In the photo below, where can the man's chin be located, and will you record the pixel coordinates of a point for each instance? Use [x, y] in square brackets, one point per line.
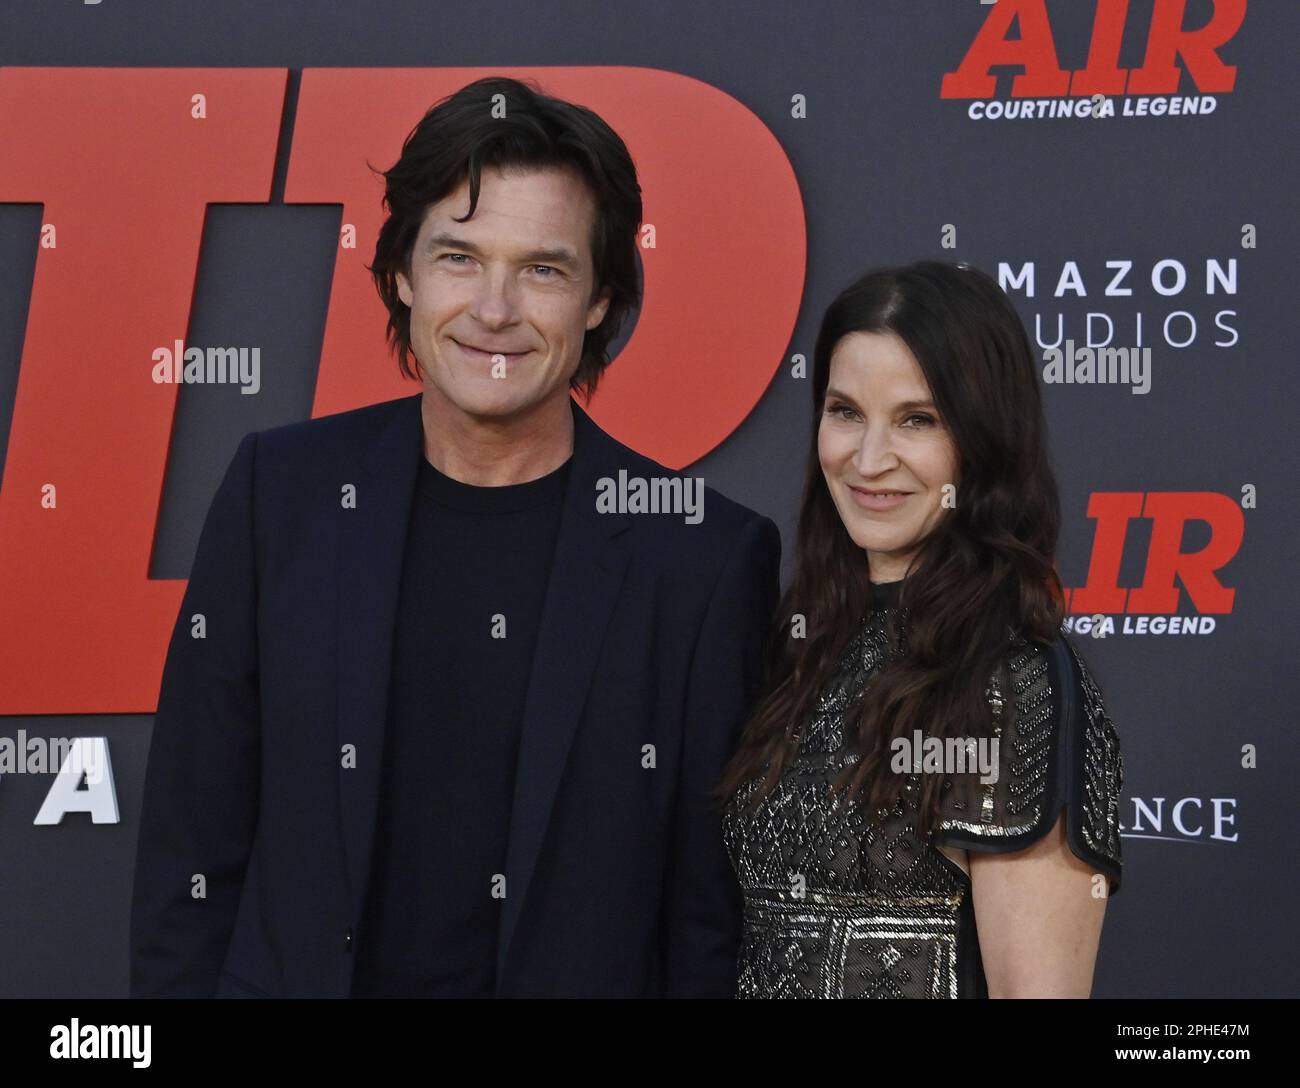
[492, 406]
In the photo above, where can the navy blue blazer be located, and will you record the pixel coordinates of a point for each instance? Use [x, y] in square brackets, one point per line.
[257, 827]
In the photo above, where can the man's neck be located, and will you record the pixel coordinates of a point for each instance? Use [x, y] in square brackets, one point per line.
[489, 452]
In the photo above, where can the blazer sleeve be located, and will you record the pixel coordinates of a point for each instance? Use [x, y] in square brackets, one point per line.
[1059, 750]
[199, 810]
[703, 903]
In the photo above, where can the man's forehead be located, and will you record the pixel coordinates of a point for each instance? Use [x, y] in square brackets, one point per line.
[551, 197]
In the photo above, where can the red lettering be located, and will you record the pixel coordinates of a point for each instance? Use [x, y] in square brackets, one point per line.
[1112, 510]
[125, 172]
[1034, 51]
[1169, 512]
[1103, 75]
[1198, 48]
[1042, 77]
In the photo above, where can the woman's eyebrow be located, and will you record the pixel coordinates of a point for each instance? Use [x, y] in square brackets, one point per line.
[905, 406]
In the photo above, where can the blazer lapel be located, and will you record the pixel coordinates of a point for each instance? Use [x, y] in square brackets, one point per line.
[586, 574]
[371, 544]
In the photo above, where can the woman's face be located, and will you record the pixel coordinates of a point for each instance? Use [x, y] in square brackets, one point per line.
[886, 455]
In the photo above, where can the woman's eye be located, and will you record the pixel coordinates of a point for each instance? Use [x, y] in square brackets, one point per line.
[925, 420]
[841, 410]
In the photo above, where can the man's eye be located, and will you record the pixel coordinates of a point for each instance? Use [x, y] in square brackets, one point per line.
[453, 257]
[546, 268]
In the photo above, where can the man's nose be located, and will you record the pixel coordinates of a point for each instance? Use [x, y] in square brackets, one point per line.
[495, 301]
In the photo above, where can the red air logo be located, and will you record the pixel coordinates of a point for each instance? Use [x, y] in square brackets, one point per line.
[1172, 49]
[1167, 564]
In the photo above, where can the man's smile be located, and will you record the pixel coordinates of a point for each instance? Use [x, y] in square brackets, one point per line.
[488, 355]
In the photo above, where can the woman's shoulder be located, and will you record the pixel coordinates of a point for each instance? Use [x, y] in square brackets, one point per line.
[1057, 748]
[1094, 762]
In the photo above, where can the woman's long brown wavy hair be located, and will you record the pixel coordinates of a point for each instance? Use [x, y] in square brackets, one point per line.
[986, 568]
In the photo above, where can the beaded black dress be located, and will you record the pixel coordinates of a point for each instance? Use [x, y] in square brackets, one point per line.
[839, 902]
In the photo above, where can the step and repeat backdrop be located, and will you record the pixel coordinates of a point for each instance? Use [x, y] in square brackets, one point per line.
[177, 177]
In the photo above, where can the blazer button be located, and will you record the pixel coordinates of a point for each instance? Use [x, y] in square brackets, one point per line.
[347, 941]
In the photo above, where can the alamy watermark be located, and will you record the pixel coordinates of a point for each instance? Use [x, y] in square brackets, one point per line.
[116, 1042]
[1070, 365]
[39, 755]
[945, 755]
[211, 366]
[656, 495]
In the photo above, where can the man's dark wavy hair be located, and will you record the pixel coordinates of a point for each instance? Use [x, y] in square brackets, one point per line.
[457, 138]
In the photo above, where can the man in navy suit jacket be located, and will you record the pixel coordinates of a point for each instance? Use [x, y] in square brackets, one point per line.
[442, 712]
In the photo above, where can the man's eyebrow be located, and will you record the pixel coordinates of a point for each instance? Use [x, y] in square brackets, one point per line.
[560, 255]
[443, 240]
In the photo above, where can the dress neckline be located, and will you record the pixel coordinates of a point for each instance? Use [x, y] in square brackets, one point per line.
[886, 594]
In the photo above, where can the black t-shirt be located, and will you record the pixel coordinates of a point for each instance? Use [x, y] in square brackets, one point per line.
[474, 579]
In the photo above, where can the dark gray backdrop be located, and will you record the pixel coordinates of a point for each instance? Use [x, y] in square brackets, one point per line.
[882, 164]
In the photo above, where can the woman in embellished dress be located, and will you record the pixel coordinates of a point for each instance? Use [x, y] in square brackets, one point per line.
[926, 800]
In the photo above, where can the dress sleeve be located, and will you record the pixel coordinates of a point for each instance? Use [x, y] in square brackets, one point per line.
[1043, 766]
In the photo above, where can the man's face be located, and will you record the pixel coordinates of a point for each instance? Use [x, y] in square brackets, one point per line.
[884, 450]
[500, 303]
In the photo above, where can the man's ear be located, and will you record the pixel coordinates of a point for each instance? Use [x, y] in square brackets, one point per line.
[404, 291]
[596, 311]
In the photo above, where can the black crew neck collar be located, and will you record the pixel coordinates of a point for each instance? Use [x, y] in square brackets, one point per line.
[507, 498]
[886, 594]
